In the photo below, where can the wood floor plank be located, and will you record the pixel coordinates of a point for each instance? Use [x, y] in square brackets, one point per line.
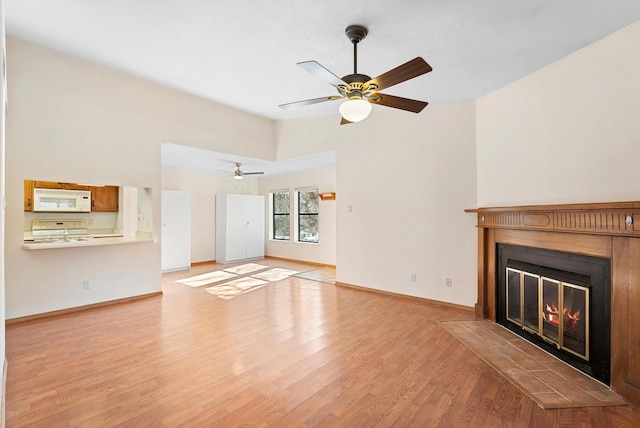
[295, 353]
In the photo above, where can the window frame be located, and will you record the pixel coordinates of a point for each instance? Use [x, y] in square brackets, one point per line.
[299, 213]
[275, 214]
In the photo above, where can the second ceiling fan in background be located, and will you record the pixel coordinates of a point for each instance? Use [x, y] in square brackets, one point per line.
[238, 174]
[361, 90]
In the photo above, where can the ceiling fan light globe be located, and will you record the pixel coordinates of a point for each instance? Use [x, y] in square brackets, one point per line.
[355, 110]
[238, 175]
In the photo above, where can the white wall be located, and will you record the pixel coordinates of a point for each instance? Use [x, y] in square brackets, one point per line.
[203, 189]
[324, 252]
[74, 121]
[408, 179]
[2, 208]
[568, 133]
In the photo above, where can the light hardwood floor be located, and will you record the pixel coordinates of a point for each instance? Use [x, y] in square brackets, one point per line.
[296, 353]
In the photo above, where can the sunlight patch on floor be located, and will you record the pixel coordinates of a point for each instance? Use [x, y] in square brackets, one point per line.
[234, 288]
[206, 278]
[245, 268]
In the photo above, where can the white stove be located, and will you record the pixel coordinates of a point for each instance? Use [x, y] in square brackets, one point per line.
[60, 231]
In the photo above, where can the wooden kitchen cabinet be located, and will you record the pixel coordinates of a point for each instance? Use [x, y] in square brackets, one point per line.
[104, 198]
[74, 186]
[47, 184]
[59, 185]
[28, 195]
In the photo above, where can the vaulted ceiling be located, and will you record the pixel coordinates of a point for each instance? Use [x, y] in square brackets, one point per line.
[243, 53]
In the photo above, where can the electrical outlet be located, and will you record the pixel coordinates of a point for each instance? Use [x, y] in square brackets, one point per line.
[448, 282]
[413, 277]
[86, 284]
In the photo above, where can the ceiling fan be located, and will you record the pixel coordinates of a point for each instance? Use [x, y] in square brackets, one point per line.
[238, 174]
[361, 90]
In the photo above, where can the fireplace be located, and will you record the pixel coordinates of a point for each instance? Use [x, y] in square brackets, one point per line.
[607, 231]
[559, 301]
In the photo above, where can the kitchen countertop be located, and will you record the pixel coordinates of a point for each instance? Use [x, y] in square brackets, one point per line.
[97, 241]
[96, 233]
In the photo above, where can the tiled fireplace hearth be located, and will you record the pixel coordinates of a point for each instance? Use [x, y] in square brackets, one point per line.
[605, 232]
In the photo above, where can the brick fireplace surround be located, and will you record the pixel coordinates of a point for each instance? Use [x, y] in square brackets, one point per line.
[607, 230]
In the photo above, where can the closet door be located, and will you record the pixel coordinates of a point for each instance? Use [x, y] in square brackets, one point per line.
[175, 245]
[254, 218]
[236, 228]
[239, 227]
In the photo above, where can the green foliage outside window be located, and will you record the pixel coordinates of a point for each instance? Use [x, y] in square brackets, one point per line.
[308, 201]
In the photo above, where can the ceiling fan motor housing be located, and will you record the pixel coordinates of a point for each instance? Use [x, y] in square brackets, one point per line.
[357, 87]
[356, 78]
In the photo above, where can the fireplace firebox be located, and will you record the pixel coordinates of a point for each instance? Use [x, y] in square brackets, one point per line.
[559, 301]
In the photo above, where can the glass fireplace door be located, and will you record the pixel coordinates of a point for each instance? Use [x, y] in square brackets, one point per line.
[556, 311]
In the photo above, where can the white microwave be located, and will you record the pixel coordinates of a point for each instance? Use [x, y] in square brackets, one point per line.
[58, 200]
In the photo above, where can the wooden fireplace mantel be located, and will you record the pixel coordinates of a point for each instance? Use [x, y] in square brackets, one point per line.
[607, 230]
[612, 219]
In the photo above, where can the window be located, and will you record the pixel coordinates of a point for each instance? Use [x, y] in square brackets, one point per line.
[280, 218]
[308, 215]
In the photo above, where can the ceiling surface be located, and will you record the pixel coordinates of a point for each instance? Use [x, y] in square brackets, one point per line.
[243, 53]
[179, 157]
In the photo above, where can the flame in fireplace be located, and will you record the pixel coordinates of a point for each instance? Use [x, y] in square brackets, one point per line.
[573, 317]
[552, 314]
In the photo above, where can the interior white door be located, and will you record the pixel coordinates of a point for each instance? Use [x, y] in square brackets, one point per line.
[175, 245]
[254, 210]
[236, 228]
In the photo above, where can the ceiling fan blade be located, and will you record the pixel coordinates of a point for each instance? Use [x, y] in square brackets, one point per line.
[303, 103]
[407, 104]
[252, 173]
[406, 71]
[320, 72]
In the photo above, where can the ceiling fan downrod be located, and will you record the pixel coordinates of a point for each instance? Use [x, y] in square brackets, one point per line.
[356, 33]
